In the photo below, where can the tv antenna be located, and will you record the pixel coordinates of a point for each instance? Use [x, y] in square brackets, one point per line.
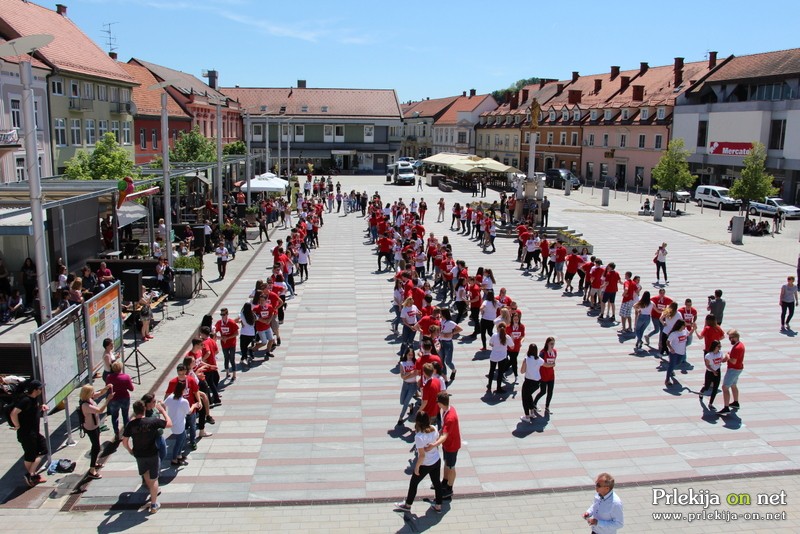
[111, 40]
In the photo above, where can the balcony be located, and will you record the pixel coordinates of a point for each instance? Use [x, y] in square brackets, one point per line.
[81, 104]
[120, 108]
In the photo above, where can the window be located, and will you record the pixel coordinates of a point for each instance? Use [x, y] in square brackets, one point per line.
[74, 89]
[16, 113]
[638, 175]
[115, 130]
[576, 115]
[527, 138]
[507, 144]
[777, 134]
[623, 140]
[607, 115]
[702, 133]
[462, 137]
[114, 94]
[124, 95]
[60, 132]
[284, 132]
[605, 140]
[90, 132]
[304, 109]
[19, 167]
[589, 170]
[299, 132]
[516, 141]
[514, 162]
[327, 133]
[563, 138]
[657, 143]
[323, 109]
[496, 140]
[480, 140]
[642, 140]
[126, 133]
[603, 169]
[644, 114]
[88, 91]
[552, 116]
[36, 114]
[661, 113]
[142, 138]
[549, 138]
[102, 128]
[565, 115]
[590, 141]
[369, 133]
[75, 132]
[625, 114]
[574, 138]
[593, 115]
[338, 133]
[102, 93]
[57, 86]
[154, 139]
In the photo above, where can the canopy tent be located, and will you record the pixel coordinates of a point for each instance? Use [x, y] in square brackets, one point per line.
[469, 163]
[130, 212]
[266, 183]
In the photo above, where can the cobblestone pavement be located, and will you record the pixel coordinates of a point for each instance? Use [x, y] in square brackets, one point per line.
[316, 423]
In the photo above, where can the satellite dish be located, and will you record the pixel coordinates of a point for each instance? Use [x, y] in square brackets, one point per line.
[132, 108]
[25, 45]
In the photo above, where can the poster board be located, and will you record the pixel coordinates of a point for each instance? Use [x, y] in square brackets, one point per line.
[61, 354]
[103, 314]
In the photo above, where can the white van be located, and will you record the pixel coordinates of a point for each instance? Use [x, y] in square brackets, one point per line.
[401, 173]
[714, 195]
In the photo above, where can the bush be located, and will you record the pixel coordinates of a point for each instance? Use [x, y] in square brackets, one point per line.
[188, 262]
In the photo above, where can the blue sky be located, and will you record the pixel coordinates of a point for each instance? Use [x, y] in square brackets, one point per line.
[427, 48]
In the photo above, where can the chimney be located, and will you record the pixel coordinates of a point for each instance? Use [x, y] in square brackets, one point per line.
[712, 60]
[598, 84]
[638, 93]
[574, 96]
[541, 83]
[559, 88]
[212, 79]
[472, 92]
[301, 84]
[575, 76]
[463, 93]
[643, 66]
[514, 102]
[614, 71]
[624, 81]
[678, 71]
[61, 9]
[112, 55]
[524, 95]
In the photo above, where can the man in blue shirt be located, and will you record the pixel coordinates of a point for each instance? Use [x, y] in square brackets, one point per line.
[605, 514]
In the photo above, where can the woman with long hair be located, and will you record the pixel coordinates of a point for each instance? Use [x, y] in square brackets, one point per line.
[428, 463]
[303, 260]
[643, 309]
[449, 329]
[90, 415]
[517, 332]
[669, 317]
[247, 333]
[488, 310]
[409, 315]
[531, 367]
[408, 374]
[676, 344]
[462, 297]
[711, 332]
[548, 373]
[713, 361]
[498, 357]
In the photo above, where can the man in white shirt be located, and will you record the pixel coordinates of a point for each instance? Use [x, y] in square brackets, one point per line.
[605, 514]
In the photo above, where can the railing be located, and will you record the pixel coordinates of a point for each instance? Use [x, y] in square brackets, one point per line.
[81, 104]
[119, 107]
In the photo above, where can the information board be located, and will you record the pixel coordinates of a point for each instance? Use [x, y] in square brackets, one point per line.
[103, 320]
[62, 354]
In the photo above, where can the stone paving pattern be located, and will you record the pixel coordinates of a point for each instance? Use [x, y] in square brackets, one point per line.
[316, 423]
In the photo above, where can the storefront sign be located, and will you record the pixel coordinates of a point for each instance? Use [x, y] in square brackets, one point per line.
[723, 148]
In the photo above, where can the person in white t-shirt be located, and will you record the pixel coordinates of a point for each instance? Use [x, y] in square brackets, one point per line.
[676, 343]
[177, 409]
[713, 361]
[531, 370]
[498, 357]
[428, 464]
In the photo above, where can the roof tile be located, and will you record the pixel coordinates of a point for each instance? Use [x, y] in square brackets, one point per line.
[148, 102]
[372, 103]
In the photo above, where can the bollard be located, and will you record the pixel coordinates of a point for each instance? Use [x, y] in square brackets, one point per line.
[627, 195]
[606, 195]
[719, 210]
[658, 209]
[737, 230]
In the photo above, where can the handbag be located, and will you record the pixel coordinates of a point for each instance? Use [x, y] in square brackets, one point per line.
[655, 258]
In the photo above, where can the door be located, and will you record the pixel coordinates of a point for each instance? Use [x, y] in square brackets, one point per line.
[621, 172]
[380, 162]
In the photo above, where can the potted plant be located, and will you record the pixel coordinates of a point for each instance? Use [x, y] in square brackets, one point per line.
[187, 275]
[250, 213]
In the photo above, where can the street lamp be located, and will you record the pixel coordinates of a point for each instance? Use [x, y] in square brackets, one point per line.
[220, 213]
[18, 47]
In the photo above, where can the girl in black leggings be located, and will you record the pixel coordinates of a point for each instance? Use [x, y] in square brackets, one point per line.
[547, 372]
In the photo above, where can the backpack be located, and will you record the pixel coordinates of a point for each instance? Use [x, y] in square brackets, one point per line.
[82, 418]
[16, 395]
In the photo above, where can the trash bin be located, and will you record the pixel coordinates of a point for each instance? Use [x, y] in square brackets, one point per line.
[184, 283]
[658, 209]
[388, 178]
[606, 196]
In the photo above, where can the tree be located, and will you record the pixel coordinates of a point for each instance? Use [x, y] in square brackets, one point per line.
[192, 146]
[502, 95]
[108, 161]
[672, 172]
[755, 183]
[237, 147]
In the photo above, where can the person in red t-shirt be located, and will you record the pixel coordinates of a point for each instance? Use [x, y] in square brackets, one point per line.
[586, 269]
[610, 287]
[228, 332]
[385, 246]
[596, 284]
[630, 290]
[735, 360]
[689, 314]
[430, 392]
[573, 261]
[264, 312]
[561, 257]
[711, 332]
[210, 350]
[449, 439]
[660, 304]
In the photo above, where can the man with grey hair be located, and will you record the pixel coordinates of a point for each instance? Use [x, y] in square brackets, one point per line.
[605, 514]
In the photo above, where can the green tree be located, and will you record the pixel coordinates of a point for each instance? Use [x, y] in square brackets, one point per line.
[502, 95]
[192, 146]
[108, 161]
[672, 172]
[755, 183]
[237, 147]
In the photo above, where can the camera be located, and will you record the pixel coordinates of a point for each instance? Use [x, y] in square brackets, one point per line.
[711, 297]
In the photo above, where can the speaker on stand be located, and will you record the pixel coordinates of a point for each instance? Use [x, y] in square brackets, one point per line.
[131, 285]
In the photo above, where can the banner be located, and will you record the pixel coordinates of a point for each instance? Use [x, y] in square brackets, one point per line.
[103, 319]
[724, 148]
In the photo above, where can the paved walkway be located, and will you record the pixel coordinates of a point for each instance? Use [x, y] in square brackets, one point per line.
[316, 423]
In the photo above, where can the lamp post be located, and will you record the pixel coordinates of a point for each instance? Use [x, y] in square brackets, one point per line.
[266, 137]
[219, 165]
[19, 47]
[247, 153]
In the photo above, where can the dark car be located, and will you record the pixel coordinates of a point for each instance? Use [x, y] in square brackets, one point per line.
[557, 177]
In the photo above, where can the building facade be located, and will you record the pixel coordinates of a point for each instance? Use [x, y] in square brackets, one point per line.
[418, 120]
[354, 130]
[754, 98]
[454, 131]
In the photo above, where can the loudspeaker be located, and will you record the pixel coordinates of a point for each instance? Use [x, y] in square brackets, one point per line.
[131, 285]
[199, 232]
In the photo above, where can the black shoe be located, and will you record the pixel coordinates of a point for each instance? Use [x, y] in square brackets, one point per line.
[734, 405]
[453, 375]
[725, 410]
[399, 422]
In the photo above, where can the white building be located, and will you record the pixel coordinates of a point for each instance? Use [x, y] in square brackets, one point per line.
[454, 131]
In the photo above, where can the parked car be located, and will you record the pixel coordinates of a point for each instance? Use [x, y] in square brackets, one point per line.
[772, 205]
[677, 196]
[714, 195]
[557, 177]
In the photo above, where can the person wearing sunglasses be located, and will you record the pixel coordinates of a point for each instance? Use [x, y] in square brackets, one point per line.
[605, 515]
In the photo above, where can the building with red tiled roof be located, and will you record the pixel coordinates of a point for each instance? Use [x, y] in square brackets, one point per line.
[747, 99]
[89, 92]
[12, 151]
[454, 131]
[345, 129]
[418, 119]
[147, 121]
[199, 100]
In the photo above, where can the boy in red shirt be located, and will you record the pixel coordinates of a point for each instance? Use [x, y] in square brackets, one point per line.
[228, 332]
[430, 392]
[573, 262]
[610, 287]
[630, 288]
